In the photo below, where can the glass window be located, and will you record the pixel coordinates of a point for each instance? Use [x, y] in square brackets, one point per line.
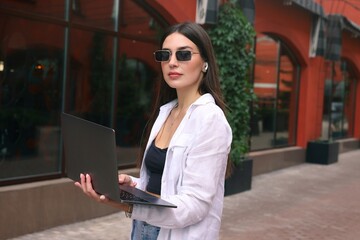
[94, 13]
[137, 78]
[89, 87]
[51, 8]
[339, 101]
[31, 72]
[135, 94]
[275, 85]
[109, 79]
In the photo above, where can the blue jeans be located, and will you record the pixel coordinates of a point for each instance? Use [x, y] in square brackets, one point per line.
[144, 231]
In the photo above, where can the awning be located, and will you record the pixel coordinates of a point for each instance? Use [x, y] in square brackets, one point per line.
[309, 5]
[351, 26]
[326, 35]
[333, 37]
[335, 25]
[318, 35]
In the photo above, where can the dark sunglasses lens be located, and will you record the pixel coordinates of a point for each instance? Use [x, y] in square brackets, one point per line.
[183, 55]
[162, 56]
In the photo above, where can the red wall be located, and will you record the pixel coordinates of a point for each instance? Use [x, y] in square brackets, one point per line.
[351, 46]
[351, 51]
[175, 11]
[348, 8]
[292, 24]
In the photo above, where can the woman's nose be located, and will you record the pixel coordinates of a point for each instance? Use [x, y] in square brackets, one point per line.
[173, 60]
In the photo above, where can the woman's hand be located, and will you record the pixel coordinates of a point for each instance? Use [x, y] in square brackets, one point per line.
[125, 179]
[86, 186]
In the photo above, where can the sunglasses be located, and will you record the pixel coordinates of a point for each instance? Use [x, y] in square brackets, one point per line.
[181, 55]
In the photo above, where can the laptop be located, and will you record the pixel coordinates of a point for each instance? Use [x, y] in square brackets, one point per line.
[91, 148]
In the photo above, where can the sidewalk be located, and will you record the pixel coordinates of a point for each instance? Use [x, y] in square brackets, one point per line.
[304, 202]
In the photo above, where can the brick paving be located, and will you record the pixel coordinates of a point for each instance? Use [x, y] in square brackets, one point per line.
[305, 202]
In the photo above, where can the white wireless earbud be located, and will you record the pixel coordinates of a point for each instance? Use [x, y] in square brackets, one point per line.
[206, 66]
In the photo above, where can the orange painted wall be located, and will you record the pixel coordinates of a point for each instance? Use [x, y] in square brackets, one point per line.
[351, 46]
[175, 11]
[348, 8]
[292, 25]
[351, 51]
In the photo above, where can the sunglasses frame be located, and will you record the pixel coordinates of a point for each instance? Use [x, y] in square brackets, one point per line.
[176, 55]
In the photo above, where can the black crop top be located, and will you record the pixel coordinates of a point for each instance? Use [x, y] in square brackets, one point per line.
[154, 162]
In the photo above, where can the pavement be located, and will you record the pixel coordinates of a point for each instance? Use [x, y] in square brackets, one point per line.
[304, 202]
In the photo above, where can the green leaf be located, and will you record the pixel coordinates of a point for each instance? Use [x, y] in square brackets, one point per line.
[233, 41]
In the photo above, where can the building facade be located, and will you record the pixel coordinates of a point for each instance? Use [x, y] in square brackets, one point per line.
[94, 59]
[306, 78]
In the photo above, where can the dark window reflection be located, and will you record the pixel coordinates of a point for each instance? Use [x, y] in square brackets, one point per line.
[339, 101]
[55, 8]
[135, 95]
[275, 84]
[108, 77]
[90, 83]
[31, 71]
[137, 78]
[101, 14]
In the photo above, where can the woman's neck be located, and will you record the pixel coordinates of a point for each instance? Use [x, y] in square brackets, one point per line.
[185, 99]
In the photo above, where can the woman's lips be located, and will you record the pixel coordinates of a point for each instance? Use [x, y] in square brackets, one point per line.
[174, 75]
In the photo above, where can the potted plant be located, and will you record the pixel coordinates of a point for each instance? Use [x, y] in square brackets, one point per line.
[233, 40]
[322, 152]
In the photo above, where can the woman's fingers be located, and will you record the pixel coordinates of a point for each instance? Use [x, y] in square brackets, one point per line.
[86, 186]
[77, 184]
[126, 179]
[89, 188]
[81, 183]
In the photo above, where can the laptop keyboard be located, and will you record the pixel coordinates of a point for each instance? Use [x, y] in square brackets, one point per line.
[128, 196]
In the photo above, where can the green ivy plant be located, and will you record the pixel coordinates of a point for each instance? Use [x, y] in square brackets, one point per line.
[233, 40]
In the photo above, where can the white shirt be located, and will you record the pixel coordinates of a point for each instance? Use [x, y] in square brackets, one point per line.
[194, 173]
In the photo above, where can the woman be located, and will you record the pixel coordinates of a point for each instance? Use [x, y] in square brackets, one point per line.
[188, 142]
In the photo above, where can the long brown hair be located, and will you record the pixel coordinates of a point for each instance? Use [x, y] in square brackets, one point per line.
[209, 84]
